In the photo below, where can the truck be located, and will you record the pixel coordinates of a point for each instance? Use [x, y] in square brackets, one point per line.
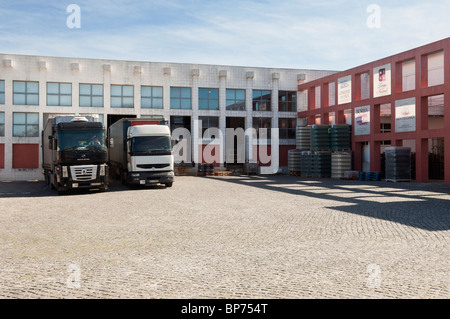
[74, 154]
[140, 151]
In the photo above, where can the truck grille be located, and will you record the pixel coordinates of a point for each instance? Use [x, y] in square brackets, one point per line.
[83, 173]
[150, 166]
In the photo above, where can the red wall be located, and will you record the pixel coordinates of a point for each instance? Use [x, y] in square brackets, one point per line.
[25, 155]
[422, 91]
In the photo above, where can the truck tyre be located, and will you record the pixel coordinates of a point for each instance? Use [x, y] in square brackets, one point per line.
[168, 184]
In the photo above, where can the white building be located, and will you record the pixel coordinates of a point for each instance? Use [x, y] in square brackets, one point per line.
[34, 87]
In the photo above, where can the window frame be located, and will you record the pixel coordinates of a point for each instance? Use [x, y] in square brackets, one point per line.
[59, 94]
[26, 94]
[259, 101]
[121, 96]
[289, 132]
[2, 92]
[91, 95]
[234, 105]
[288, 105]
[26, 125]
[179, 97]
[260, 125]
[152, 98]
[209, 100]
[2, 124]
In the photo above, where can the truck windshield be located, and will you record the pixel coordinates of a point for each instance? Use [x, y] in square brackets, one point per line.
[81, 140]
[157, 145]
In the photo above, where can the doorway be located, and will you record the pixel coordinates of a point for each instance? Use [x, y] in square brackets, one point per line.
[235, 155]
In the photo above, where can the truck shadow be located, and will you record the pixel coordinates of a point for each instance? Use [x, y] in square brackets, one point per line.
[424, 206]
[11, 189]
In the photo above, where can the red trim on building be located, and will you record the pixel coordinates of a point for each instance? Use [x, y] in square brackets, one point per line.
[2, 156]
[25, 155]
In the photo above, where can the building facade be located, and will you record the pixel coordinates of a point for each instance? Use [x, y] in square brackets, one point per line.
[33, 88]
[402, 100]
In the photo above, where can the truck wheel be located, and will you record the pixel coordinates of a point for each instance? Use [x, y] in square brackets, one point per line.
[168, 184]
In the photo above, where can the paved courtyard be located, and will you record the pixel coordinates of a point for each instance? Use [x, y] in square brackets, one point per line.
[227, 237]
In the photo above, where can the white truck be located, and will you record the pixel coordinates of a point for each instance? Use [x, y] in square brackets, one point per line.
[140, 152]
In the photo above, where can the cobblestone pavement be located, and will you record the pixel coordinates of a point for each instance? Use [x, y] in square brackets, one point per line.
[227, 237]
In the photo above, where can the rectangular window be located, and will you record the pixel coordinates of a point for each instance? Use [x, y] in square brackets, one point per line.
[287, 128]
[2, 124]
[287, 101]
[59, 94]
[208, 122]
[180, 98]
[25, 93]
[262, 100]
[152, 97]
[235, 100]
[260, 123]
[208, 99]
[436, 69]
[122, 96]
[409, 75]
[2, 92]
[26, 124]
[91, 95]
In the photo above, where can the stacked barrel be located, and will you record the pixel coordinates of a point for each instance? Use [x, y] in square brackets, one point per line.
[328, 153]
[303, 141]
[398, 164]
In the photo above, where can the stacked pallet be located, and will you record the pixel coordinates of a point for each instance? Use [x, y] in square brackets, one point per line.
[340, 138]
[320, 138]
[398, 164]
[294, 162]
[341, 162]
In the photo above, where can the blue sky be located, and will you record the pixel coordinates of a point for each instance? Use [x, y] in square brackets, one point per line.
[329, 35]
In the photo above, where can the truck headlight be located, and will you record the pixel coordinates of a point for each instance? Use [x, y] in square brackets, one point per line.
[102, 170]
[65, 172]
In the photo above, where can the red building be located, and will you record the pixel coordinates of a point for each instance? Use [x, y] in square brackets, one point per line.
[402, 100]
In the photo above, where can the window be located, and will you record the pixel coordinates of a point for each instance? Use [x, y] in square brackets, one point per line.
[2, 92]
[209, 122]
[287, 128]
[262, 100]
[2, 124]
[287, 101]
[59, 94]
[152, 97]
[235, 100]
[180, 98]
[25, 93]
[91, 95]
[26, 124]
[122, 96]
[260, 123]
[208, 99]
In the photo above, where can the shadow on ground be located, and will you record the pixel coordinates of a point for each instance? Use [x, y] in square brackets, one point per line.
[419, 205]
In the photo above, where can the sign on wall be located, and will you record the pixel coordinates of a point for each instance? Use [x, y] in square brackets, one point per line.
[405, 115]
[362, 120]
[382, 81]
[345, 90]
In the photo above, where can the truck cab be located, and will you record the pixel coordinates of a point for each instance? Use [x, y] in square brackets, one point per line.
[141, 153]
